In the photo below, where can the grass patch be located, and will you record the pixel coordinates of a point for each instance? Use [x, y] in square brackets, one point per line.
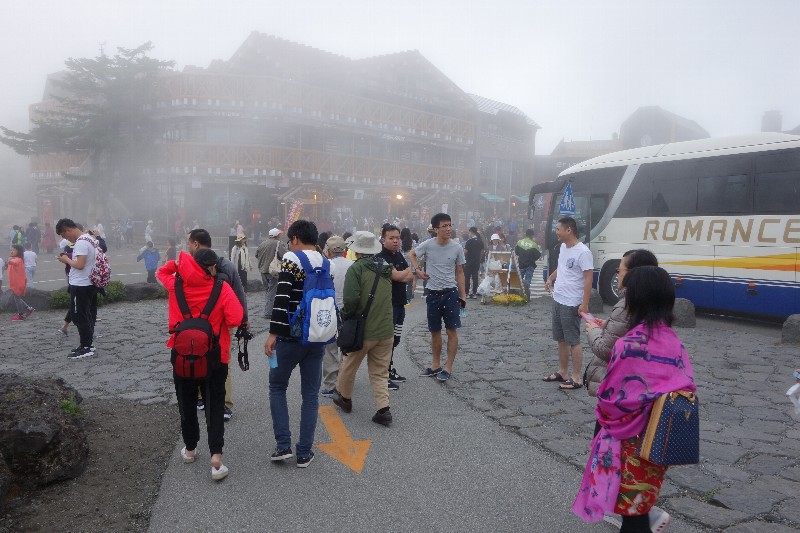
[70, 406]
[11, 396]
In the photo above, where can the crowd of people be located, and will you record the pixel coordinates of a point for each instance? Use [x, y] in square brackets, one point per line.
[636, 355]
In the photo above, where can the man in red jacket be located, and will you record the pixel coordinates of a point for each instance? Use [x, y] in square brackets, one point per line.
[198, 275]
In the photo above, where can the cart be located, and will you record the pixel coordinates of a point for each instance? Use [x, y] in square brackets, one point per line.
[504, 265]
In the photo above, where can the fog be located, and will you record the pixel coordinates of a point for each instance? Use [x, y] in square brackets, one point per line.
[578, 68]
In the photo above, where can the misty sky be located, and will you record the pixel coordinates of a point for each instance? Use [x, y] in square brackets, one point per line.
[578, 68]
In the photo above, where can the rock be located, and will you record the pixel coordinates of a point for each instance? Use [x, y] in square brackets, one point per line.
[791, 330]
[684, 313]
[144, 291]
[595, 302]
[34, 297]
[254, 285]
[42, 438]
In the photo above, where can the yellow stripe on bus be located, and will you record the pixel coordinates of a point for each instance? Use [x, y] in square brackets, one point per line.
[783, 262]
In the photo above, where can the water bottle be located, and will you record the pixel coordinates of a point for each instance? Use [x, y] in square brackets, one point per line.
[273, 361]
[463, 312]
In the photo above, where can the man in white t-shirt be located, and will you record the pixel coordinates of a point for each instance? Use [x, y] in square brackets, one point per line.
[83, 294]
[31, 260]
[571, 286]
[331, 360]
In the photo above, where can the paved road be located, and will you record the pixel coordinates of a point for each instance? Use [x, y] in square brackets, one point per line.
[494, 448]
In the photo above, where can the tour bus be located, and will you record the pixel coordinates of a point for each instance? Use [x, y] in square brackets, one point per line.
[722, 216]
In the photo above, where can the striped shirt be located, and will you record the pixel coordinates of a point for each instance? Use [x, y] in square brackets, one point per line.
[290, 290]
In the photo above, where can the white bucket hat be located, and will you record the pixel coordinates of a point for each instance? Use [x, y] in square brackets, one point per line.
[364, 242]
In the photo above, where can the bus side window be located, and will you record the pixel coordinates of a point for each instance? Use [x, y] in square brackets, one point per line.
[723, 194]
[777, 192]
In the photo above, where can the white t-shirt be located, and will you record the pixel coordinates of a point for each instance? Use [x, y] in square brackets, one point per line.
[572, 263]
[30, 258]
[340, 264]
[314, 257]
[80, 278]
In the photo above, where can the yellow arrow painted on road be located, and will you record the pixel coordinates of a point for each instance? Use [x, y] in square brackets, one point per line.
[349, 452]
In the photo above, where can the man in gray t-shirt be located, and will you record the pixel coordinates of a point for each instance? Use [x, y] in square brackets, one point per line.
[444, 260]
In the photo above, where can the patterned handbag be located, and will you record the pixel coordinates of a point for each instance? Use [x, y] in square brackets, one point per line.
[673, 432]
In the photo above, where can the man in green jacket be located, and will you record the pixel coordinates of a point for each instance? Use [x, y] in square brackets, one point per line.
[378, 327]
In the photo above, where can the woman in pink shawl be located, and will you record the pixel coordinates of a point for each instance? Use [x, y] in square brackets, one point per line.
[647, 362]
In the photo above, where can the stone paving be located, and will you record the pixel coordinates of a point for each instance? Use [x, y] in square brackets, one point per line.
[749, 475]
[139, 371]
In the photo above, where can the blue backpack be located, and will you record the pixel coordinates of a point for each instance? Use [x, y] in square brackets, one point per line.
[315, 321]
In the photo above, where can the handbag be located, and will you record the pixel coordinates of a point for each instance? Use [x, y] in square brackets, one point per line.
[672, 436]
[351, 337]
[275, 265]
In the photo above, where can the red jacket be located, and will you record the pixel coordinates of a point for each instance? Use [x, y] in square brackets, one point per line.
[197, 287]
[17, 280]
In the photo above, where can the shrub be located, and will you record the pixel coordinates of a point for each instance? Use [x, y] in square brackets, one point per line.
[59, 300]
[115, 292]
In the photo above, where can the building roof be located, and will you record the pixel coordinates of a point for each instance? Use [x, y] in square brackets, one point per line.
[586, 149]
[648, 112]
[493, 107]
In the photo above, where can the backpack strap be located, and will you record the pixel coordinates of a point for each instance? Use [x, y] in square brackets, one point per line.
[304, 262]
[180, 297]
[378, 267]
[212, 300]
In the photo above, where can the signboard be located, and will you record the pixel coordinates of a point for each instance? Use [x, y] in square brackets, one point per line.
[358, 194]
[444, 208]
[294, 214]
[567, 206]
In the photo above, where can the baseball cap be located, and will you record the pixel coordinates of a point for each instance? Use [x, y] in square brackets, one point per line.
[274, 232]
[335, 244]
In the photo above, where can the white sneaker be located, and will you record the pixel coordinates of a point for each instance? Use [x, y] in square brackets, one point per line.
[659, 519]
[187, 459]
[219, 473]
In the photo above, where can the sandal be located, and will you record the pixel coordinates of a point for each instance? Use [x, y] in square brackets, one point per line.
[570, 385]
[555, 376]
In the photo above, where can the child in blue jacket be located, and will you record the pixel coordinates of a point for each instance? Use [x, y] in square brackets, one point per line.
[151, 258]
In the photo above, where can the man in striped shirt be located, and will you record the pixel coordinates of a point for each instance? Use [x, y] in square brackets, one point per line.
[290, 352]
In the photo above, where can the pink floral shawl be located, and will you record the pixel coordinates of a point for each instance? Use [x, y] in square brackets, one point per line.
[644, 365]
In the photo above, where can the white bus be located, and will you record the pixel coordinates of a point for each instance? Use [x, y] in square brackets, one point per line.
[722, 216]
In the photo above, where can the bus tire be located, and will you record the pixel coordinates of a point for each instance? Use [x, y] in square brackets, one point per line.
[606, 285]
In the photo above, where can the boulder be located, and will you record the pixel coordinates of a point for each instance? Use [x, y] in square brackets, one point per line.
[42, 436]
[684, 313]
[34, 297]
[144, 291]
[254, 285]
[791, 330]
[595, 302]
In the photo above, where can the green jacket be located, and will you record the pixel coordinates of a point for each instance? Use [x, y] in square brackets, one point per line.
[357, 285]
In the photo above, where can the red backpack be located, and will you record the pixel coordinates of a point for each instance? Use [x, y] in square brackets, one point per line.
[195, 346]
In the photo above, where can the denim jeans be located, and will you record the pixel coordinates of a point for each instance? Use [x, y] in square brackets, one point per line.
[527, 276]
[309, 359]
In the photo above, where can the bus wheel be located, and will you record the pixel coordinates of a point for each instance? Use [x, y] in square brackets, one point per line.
[607, 284]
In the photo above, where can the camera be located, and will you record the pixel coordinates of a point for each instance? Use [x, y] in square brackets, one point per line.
[243, 333]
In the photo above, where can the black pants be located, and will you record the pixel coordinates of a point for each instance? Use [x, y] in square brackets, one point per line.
[243, 277]
[213, 392]
[635, 524]
[398, 318]
[151, 276]
[471, 274]
[83, 306]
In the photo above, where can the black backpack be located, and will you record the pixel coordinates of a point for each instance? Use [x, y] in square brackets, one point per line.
[195, 346]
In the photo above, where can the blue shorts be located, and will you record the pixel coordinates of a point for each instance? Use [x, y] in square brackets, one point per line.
[443, 306]
[566, 324]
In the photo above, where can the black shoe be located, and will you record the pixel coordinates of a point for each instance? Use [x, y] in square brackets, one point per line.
[201, 405]
[280, 455]
[227, 414]
[394, 376]
[393, 385]
[384, 419]
[341, 401]
[80, 353]
[303, 462]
